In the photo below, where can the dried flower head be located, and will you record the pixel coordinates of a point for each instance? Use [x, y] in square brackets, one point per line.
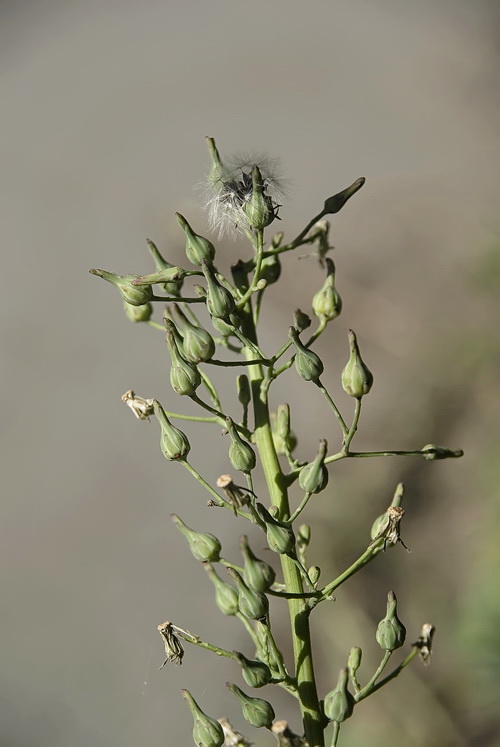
[390, 531]
[232, 738]
[173, 648]
[228, 190]
[424, 643]
[142, 408]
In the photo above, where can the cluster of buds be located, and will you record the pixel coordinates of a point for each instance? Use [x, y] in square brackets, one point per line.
[245, 196]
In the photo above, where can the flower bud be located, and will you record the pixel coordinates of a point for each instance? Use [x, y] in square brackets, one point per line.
[304, 535]
[207, 732]
[204, 546]
[129, 292]
[307, 363]
[220, 302]
[432, 452]
[284, 438]
[354, 661]
[258, 574]
[339, 703]
[314, 573]
[254, 672]
[327, 303]
[241, 454]
[391, 632]
[337, 202]
[244, 391]
[256, 711]
[357, 379]
[226, 596]
[270, 269]
[259, 209]
[252, 604]
[167, 275]
[217, 168]
[184, 377]
[266, 647]
[313, 478]
[301, 320]
[138, 313]
[198, 345]
[198, 249]
[171, 288]
[173, 442]
[280, 537]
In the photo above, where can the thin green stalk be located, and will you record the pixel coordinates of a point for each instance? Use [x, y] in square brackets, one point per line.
[368, 688]
[196, 641]
[300, 508]
[363, 559]
[343, 425]
[256, 275]
[393, 674]
[354, 426]
[335, 734]
[210, 388]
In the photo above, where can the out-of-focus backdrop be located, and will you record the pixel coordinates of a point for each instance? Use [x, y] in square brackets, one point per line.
[105, 105]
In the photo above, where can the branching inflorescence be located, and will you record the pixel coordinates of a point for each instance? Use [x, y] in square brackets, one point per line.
[246, 197]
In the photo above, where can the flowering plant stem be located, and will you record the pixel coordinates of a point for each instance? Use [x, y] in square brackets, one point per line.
[247, 196]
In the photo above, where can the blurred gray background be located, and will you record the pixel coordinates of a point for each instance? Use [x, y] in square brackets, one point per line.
[105, 106]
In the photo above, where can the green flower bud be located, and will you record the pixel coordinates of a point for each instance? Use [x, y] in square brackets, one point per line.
[270, 269]
[167, 275]
[284, 438]
[252, 604]
[337, 202]
[198, 249]
[304, 536]
[301, 320]
[129, 292]
[220, 302]
[280, 537]
[217, 168]
[204, 546]
[207, 732]
[226, 596]
[258, 575]
[391, 632]
[173, 442]
[313, 478]
[266, 647]
[314, 573]
[307, 363]
[259, 209]
[138, 313]
[327, 303]
[256, 711]
[241, 454]
[198, 345]
[432, 452]
[255, 672]
[244, 391]
[172, 288]
[339, 703]
[357, 379]
[354, 660]
[184, 377]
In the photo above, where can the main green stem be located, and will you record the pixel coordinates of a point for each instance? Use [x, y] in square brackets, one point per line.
[298, 608]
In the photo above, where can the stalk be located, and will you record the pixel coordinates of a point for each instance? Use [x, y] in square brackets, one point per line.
[298, 608]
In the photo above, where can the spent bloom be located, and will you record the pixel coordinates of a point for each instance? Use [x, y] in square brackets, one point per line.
[229, 189]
